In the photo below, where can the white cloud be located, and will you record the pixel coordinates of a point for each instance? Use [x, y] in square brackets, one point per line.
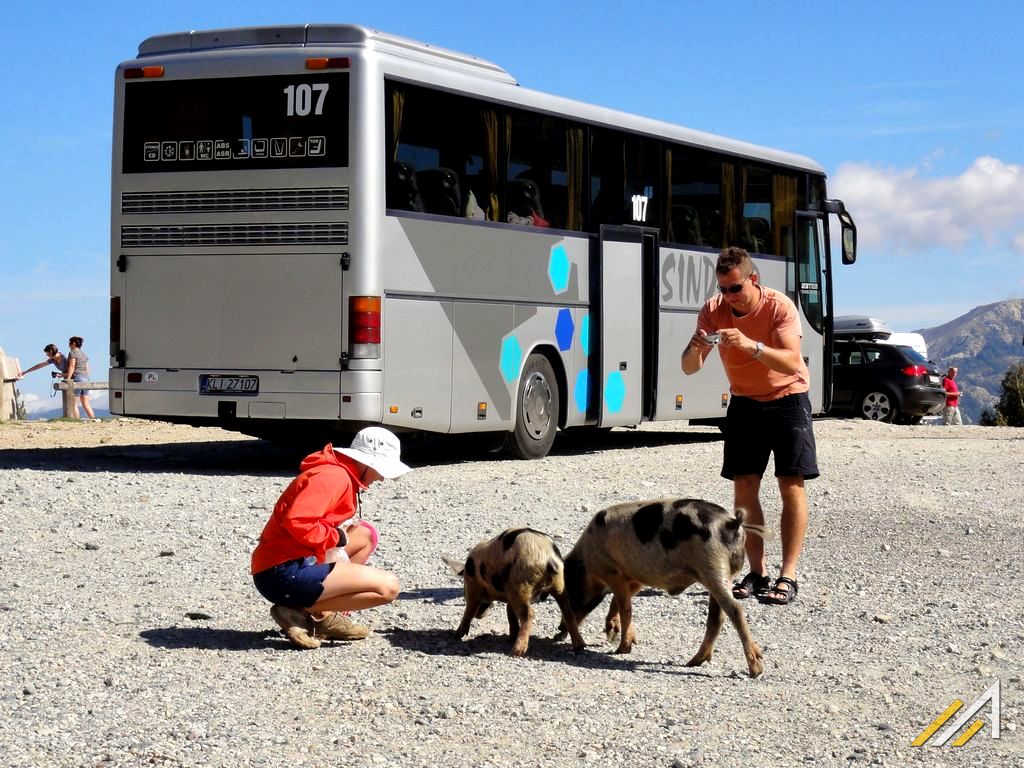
[901, 210]
[1018, 242]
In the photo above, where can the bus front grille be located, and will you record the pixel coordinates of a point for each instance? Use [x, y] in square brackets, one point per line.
[176, 236]
[203, 201]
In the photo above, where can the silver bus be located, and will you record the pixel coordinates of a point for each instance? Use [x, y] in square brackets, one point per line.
[329, 226]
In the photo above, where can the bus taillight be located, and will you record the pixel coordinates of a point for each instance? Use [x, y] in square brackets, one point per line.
[364, 326]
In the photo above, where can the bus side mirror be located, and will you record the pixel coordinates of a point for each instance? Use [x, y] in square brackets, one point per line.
[849, 239]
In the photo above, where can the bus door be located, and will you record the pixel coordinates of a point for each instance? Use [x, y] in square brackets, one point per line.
[812, 301]
[621, 353]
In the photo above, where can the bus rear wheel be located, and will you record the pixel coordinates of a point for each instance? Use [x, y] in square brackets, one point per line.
[537, 410]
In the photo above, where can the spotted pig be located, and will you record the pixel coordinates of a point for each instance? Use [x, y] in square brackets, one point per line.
[664, 543]
[519, 567]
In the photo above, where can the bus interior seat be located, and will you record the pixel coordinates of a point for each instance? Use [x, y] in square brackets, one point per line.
[440, 190]
[686, 225]
[524, 197]
[403, 192]
[523, 201]
[759, 233]
[713, 230]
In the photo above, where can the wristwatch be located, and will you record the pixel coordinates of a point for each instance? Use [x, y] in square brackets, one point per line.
[759, 350]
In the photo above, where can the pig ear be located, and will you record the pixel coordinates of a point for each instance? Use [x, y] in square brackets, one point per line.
[457, 566]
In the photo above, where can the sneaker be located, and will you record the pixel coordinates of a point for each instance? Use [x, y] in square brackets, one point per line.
[334, 626]
[296, 626]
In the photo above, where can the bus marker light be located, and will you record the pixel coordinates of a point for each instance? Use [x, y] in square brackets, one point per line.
[135, 378]
[679, 402]
[393, 409]
[725, 399]
[481, 411]
[341, 62]
[134, 73]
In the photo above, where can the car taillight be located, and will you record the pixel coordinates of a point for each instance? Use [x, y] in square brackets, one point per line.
[915, 370]
[364, 326]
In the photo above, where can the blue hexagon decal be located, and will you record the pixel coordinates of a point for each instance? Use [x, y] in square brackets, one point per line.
[614, 392]
[563, 329]
[558, 268]
[511, 358]
[581, 392]
[585, 335]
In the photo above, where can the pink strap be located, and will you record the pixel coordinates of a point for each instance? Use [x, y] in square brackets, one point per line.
[374, 536]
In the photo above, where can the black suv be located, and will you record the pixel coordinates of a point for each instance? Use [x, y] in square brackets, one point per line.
[884, 382]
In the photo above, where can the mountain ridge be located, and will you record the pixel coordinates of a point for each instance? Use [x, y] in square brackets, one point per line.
[983, 344]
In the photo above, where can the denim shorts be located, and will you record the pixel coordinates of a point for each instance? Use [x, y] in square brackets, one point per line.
[80, 377]
[295, 584]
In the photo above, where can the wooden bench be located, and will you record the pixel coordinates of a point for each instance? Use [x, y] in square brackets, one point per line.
[71, 388]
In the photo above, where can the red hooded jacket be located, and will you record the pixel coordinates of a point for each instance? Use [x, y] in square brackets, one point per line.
[305, 518]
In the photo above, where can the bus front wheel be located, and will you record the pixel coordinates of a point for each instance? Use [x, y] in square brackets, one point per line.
[537, 410]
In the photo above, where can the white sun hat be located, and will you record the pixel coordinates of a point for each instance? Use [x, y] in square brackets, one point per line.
[378, 449]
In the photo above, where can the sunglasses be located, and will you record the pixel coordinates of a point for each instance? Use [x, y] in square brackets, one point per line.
[734, 288]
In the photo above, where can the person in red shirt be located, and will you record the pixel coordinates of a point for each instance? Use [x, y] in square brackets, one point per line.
[951, 413]
[769, 411]
[311, 558]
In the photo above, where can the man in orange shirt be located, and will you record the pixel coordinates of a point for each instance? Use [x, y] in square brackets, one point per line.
[311, 558]
[769, 410]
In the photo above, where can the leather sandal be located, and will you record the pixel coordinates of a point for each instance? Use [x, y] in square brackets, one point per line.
[752, 585]
[783, 593]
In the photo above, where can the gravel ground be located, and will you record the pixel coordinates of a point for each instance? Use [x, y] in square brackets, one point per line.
[130, 633]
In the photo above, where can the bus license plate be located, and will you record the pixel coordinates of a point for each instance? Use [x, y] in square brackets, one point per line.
[215, 384]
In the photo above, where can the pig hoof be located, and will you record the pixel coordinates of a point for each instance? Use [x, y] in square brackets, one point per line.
[624, 649]
[699, 659]
[518, 651]
[560, 637]
[756, 666]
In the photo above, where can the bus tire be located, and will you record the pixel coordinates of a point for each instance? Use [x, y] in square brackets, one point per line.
[537, 410]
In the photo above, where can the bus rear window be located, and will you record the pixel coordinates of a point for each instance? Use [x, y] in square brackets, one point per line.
[238, 123]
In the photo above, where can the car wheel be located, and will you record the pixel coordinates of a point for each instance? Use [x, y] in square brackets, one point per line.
[537, 410]
[878, 405]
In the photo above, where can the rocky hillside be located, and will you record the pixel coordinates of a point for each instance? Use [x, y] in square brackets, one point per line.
[983, 344]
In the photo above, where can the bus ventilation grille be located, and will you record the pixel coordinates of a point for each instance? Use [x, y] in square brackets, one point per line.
[301, 233]
[199, 201]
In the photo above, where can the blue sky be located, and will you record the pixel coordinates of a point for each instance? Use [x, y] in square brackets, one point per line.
[915, 110]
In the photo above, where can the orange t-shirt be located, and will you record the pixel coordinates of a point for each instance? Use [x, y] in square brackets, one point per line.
[772, 319]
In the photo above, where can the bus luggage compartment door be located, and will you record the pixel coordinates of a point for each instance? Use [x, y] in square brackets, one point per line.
[620, 313]
[233, 312]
